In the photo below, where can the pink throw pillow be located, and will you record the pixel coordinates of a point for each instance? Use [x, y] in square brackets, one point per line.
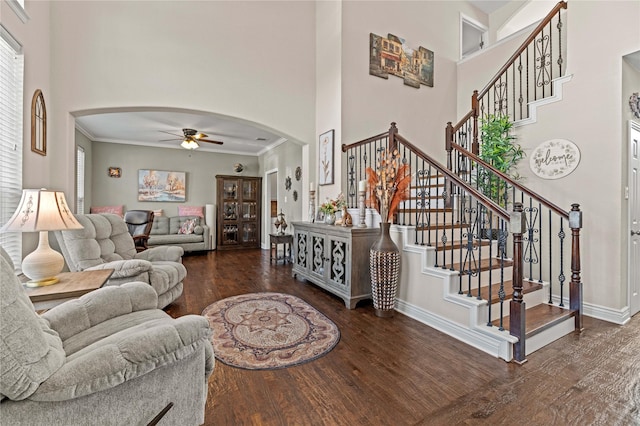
[119, 210]
[190, 211]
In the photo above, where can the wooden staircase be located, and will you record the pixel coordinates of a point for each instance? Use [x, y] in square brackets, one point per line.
[544, 320]
[505, 295]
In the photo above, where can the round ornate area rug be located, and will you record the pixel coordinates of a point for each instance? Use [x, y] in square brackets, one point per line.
[263, 331]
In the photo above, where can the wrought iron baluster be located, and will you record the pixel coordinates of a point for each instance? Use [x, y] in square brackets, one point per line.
[561, 277]
[550, 258]
[351, 187]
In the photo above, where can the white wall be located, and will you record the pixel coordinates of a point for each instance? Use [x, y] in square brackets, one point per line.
[251, 60]
[284, 158]
[370, 103]
[329, 95]
[33, 36]
[590, 116]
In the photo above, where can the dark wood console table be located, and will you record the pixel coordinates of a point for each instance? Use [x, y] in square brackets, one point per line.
[274, 241]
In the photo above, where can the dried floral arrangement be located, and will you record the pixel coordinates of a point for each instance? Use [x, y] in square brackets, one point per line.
[389, 184]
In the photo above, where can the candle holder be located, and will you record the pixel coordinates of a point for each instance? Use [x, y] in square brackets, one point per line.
[361, 209]
[312, 206]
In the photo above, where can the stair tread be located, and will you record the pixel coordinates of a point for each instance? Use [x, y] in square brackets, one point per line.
[429, 185]
[456, 244]
[527, 287]
[429, 197]
[426, 210]
[442, 226]
[486, 264]
[540, 317]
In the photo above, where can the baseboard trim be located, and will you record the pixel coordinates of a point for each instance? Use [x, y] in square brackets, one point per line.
[616, 316]
[486, 343]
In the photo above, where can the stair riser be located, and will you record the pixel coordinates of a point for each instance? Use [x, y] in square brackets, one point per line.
[485, 279]
[530, 299]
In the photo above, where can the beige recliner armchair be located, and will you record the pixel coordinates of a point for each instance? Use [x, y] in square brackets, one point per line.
[108, 358]
[105, 243]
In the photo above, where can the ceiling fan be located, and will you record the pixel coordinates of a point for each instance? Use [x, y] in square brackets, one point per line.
[190, 138]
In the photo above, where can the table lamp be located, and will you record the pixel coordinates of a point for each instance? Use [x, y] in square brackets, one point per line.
[42, 211]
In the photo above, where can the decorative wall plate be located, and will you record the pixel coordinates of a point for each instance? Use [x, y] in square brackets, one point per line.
[298, 173]
[634, 103]
[295, 195]
[554, 159]
[287, 183]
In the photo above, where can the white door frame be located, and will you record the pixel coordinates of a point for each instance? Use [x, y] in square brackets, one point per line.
[266, 211]
[633, 229]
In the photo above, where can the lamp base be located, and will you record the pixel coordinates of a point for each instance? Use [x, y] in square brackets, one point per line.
[43, 264]
[42, 283]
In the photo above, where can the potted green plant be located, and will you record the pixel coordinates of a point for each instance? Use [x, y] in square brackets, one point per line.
[500, 149]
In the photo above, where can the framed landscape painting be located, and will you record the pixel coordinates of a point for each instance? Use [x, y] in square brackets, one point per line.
[325, 158]
[160, 185]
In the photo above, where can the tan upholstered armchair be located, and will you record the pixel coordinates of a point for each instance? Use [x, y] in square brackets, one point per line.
[139, 223]
[108, 358]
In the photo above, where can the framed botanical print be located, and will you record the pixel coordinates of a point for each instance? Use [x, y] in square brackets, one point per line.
[325, 158]
[38, 124]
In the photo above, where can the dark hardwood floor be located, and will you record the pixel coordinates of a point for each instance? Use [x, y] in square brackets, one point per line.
[397, 371]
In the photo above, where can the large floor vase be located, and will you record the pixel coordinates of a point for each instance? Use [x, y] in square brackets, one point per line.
[384, 264]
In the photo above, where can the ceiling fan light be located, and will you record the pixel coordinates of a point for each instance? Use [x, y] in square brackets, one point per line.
[189, 144]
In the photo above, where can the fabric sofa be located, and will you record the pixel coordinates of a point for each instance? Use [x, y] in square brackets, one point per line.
[165, 232]
[108, 358]
[105, 243]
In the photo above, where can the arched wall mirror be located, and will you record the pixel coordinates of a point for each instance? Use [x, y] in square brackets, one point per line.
[38, 124]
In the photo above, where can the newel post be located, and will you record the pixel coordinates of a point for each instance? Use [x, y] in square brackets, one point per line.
[393, 131]
[475, 106]
[517, 306]
[575, 287]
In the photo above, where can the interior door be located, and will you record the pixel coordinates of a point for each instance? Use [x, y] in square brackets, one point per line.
[634, 217]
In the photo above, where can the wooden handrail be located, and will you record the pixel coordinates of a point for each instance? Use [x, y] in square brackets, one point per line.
[512, 182]
[523, 46]
[364, 141]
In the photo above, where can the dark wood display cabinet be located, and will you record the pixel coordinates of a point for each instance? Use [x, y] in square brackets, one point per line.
[239, 212]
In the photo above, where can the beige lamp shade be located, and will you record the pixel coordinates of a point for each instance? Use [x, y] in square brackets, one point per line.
[41, 211]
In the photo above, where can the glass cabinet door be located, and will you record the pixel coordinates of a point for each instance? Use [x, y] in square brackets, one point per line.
[249, 210]
[249, 233]
[249, 190]
[230, 189]
[230, 210]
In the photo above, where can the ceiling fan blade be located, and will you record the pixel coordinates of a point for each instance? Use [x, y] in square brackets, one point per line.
[167, 140]
[207, 140]
[173, 134]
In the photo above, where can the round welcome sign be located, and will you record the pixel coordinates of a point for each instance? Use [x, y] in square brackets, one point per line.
[554, 159]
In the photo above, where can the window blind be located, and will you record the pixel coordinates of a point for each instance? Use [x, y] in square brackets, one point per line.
[80, 179]
[11, 94]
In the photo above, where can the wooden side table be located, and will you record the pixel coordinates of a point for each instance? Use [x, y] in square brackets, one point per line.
[71, 286]
[275, 240]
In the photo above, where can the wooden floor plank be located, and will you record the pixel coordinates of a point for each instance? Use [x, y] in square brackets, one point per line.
[397, 371]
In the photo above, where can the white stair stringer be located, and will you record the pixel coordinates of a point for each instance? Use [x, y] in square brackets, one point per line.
[534, 105]
[424, 294]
